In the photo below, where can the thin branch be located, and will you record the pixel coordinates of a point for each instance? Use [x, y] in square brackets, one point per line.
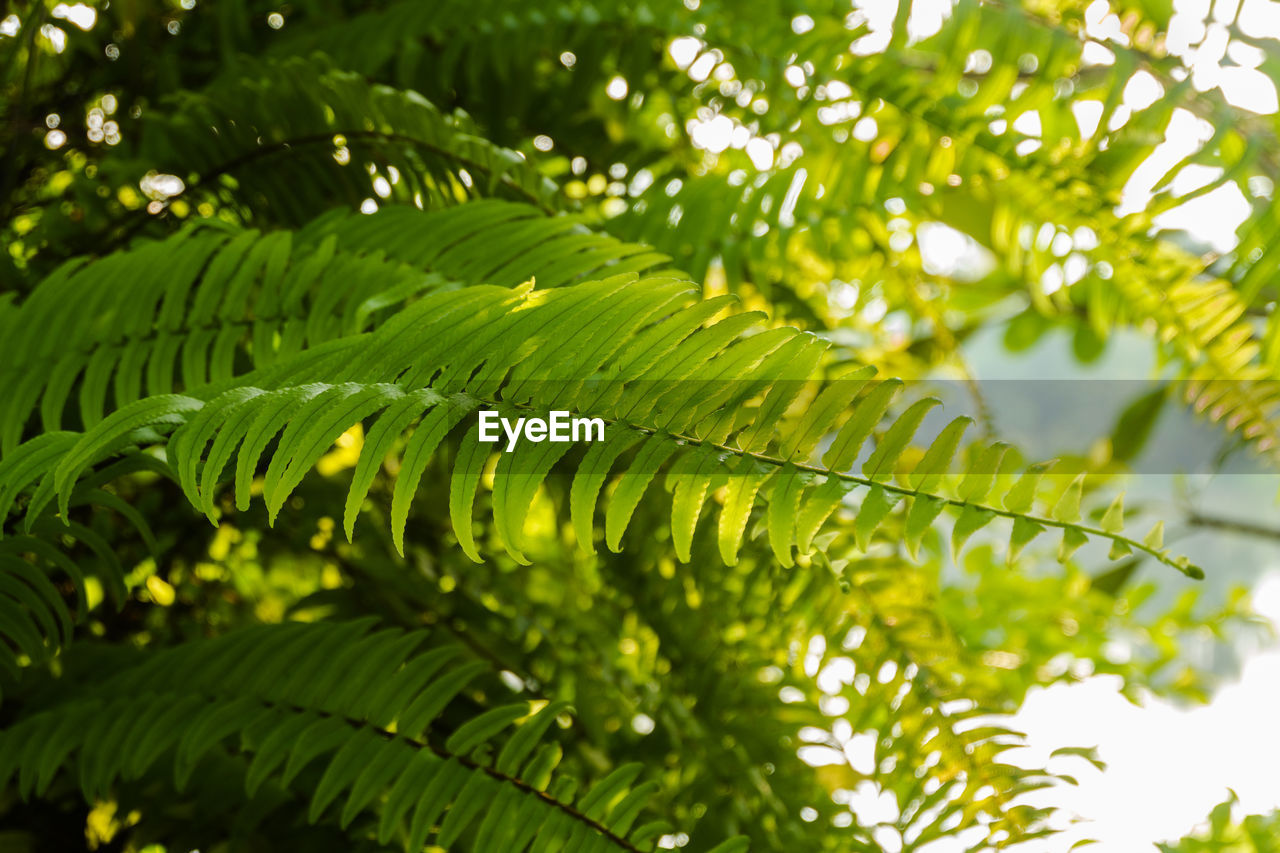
[1231, 525]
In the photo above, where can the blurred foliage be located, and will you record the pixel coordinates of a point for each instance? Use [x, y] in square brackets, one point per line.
[1253, 834]
[187, 190]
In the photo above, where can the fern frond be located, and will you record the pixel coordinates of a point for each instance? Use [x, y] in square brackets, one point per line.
[377, 709]
[209, 303]
[490, 242]
[45, 565]
[1229, 369]
[286, 139]
[901, 652]
[660, 374]
[44, 557]
[482, 52]
[179, 313]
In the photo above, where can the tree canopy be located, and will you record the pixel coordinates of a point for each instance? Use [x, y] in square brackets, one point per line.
[265, 585]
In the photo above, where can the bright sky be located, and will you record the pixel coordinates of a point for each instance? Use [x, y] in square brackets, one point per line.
[1167, 766]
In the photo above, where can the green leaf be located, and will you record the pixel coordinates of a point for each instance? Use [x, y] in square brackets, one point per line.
[1024, 530]
[632, 485]
[516, 480]
[971, 520]
[590, 479]
[866, 414]
[417, 454]
[816, 509]
[880, 465]
[1072, 539]
[481, 729]
[473, 454]
[1155, 537]
[1068, 506]
[744, 483]
[1113, 580]
[357, 753]
[875, 508]
[976, 485]
[1119, 549]
[784, 506]
[1113, 518]
[920, 518]
[165, 409]
[821, 416]
[526, 738]
[928, 472]
[691, 475]
[377, 446]
[1022, 495]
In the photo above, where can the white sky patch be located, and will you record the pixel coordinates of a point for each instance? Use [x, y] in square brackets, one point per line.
[838, 89]
[1259, 18]
[947, 252]
[1167, 766]
[1213, 217]
[1200, 35]
[1028, 123]
[760, 152]
[617, 88]
[714, 135]
[786, 214]
[878, 17]
[684, 50]
[1088, 114]
[81, 15]
[1142, 91]
[703, 66]
[1094, 53]
[978, 62]
[789, 153]
[1248, 89]
[1183, 137]
[1245, 54]
[1194, 177]
[927, 18]
[160, 186]
[1203, 41]
[55, 36]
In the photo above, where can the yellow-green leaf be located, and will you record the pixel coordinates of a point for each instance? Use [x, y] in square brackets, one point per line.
[1113, 519]
[1155, 538]
[1068, 506]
